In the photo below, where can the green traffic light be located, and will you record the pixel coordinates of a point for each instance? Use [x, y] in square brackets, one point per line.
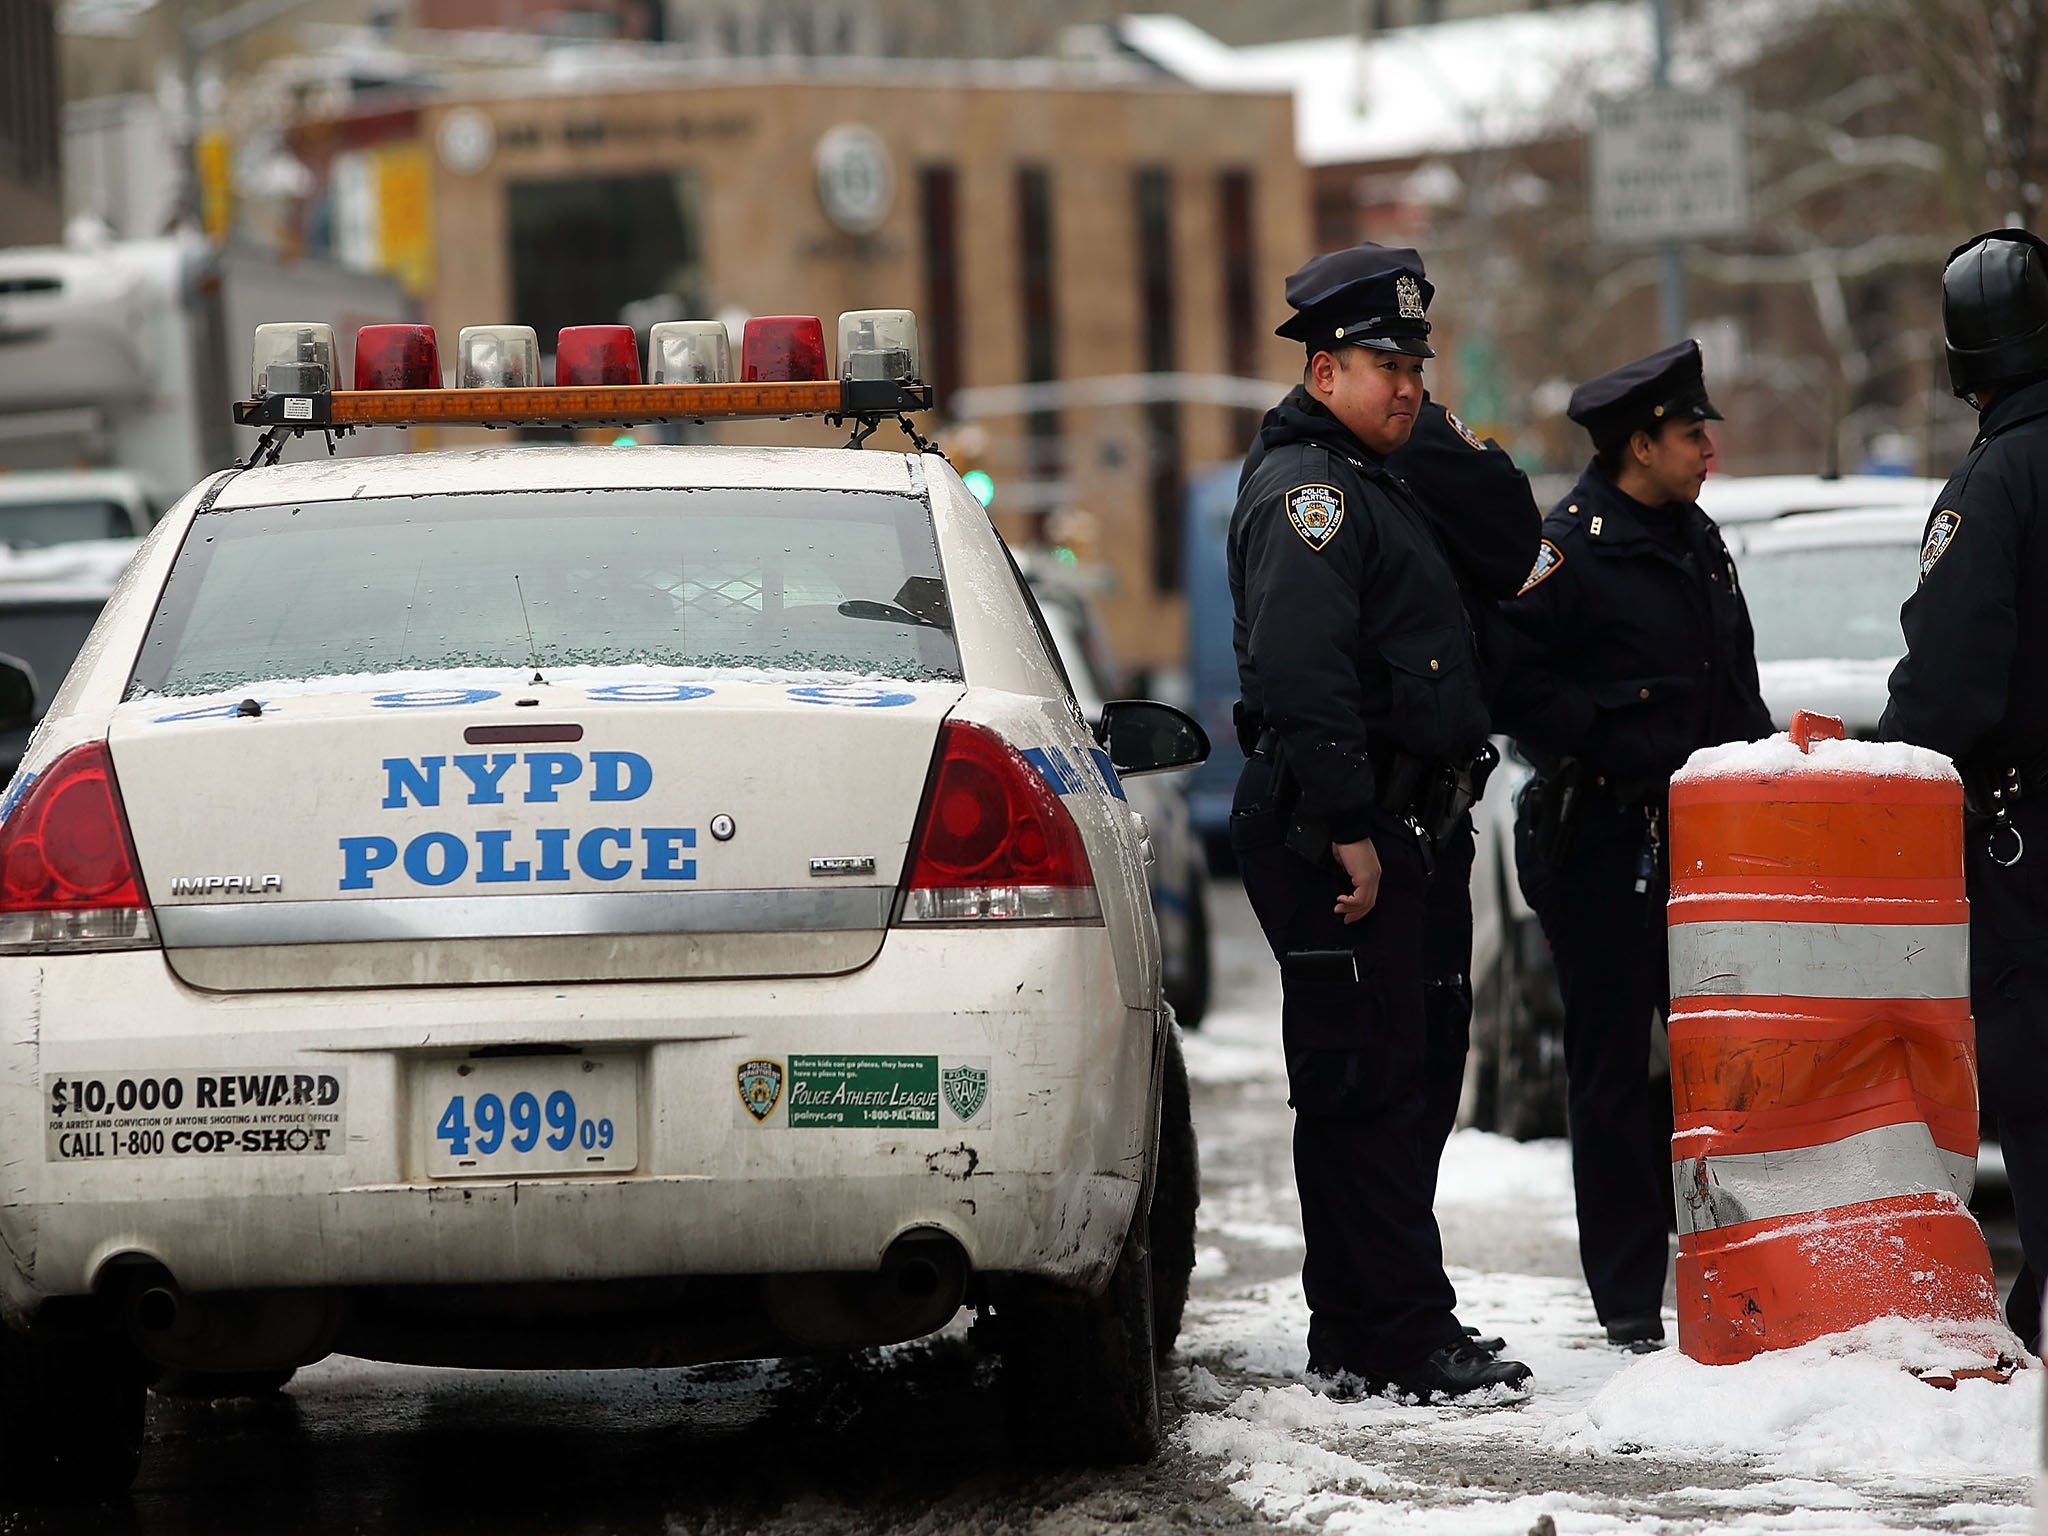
[625, 440]
[979, 485]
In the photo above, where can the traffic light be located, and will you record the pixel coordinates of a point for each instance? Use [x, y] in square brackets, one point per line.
[980, 485]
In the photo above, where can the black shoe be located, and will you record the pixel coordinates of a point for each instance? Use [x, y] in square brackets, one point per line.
[1457, 1369]
[1492, 1344]
[1640, 1333]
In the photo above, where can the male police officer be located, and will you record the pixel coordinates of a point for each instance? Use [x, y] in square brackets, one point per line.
[1638, 651]
[1361, 707]
[1973, 685]
[1486, 518]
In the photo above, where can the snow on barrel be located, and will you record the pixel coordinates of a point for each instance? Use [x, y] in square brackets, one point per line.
[1823, 1059]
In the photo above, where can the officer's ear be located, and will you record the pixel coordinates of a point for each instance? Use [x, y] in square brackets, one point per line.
[1641, 443]
[1323, 368]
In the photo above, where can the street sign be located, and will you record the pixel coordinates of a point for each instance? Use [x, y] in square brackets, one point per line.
[1670, 165]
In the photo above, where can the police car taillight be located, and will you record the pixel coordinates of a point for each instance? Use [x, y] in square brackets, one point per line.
[596, 354]
[68, 872]
[993, 841]
[689, 352]
[497, 357]
[878, 344]
[292, 359]
[783, 349]
[397, 357]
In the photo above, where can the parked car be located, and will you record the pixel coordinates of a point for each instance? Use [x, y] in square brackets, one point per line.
[1179, 870]
[1824, 593]
[1731, 499]
[50, 598]
[68, 506]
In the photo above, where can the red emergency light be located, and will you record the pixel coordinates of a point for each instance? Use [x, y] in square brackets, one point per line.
[595, 355]
[397, 357]
[783, 348]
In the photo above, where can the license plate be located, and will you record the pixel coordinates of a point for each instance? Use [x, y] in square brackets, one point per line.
[516, 1116]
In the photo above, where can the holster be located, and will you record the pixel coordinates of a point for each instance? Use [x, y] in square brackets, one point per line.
[1552, 805]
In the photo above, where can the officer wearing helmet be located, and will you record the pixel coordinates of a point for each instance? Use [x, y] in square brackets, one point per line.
[1972, 685]
[1363, 719]
[1636, 650]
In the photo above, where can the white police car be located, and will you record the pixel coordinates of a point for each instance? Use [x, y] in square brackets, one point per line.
[580, 906]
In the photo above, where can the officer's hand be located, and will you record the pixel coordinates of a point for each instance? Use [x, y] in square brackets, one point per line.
[1361, 863]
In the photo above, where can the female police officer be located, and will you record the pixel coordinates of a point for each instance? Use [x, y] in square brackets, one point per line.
[1637, 651]
[1361, 704]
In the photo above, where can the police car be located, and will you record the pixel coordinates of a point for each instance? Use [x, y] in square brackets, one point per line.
[580, 906]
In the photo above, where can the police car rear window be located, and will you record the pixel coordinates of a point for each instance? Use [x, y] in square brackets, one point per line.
[812, 580]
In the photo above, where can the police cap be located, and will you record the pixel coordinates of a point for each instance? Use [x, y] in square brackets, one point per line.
[1365, 296]
[1641, 396]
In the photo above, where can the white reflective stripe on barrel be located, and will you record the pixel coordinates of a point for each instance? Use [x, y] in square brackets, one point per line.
[1771, 959]
[1712, 1192]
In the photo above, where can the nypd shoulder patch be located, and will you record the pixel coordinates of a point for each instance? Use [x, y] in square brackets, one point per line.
[1463, 431]
[1548, 558]
[1941, 532]
[1317, 512]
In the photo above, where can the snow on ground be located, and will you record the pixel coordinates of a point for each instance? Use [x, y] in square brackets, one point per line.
[1835, 1437]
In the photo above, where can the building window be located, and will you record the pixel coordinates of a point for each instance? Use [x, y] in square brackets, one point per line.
[1236, 239]
[939, 209]
[1043, 456]
[1153, 194]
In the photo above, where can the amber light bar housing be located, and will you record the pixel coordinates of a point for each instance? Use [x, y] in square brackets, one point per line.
[594, 405]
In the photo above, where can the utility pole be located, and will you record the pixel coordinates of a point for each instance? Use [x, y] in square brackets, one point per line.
[1674, 253]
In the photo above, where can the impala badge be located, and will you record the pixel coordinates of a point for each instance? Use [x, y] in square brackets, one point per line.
[226, 885]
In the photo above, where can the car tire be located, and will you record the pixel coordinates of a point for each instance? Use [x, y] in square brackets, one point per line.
[225, 1384]
[1187, 986]
[71, 1416]
[1080, 1373]
[1176, 1194]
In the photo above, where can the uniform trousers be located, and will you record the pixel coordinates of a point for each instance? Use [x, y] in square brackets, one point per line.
[2009, 996]
[1353, 1029]
[1607, 941]
[1447, 991]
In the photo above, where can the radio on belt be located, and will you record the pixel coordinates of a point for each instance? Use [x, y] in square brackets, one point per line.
[784, 370]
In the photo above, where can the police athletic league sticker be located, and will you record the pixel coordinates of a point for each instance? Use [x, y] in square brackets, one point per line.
[1940, 534]
[1548, 558]
[1317, 512]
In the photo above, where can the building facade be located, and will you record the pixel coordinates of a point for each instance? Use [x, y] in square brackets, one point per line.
[31, 189]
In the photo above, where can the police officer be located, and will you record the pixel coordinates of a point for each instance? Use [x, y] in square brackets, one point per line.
[1973, 685]
[1637, 650]
[1361, 708]
[1486, 518]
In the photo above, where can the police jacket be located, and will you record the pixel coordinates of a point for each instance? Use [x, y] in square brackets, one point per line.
[1636, 647]
[1973, 683]
[1352, 643]
[1484, 514]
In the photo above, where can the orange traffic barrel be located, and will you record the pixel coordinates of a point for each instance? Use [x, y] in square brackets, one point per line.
[1823, 1060]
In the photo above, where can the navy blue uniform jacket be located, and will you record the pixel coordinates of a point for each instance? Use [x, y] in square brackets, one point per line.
[1974, 681]
[1635, 643]
[1352, 641]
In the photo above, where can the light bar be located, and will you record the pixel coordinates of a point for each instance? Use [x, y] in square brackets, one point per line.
[497, 370]
[397, 357]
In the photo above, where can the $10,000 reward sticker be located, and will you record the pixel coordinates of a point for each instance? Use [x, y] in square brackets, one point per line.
[185, 1113]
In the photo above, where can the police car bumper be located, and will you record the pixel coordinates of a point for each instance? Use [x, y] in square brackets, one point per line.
[989, 1091]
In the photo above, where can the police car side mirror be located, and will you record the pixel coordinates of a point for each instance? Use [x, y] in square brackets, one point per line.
[1144, 736]
[17, 693]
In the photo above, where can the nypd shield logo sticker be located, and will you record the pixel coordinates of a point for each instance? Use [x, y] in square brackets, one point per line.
[1548, 558]
[966, 1090]
[1940, 534]
[1317, 512]
[1463, 431]
[760, 1084]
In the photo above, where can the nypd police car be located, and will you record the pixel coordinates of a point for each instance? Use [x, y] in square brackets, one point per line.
[580, 906]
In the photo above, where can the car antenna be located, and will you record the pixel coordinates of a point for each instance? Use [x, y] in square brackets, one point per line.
[532, 650]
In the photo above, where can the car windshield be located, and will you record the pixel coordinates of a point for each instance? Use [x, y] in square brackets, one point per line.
[1839, 602]
[37, 524]
[812, 580]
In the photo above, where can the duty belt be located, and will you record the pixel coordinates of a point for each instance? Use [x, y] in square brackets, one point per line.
[1429, 796]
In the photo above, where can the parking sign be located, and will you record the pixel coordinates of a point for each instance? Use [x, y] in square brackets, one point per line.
[1670, 165]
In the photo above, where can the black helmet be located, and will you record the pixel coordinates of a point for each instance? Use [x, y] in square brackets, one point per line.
[1994, 309]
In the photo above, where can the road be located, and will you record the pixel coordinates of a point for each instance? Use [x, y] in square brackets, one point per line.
[911, 1440]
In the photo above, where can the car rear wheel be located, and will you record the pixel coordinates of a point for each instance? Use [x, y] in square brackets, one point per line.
[1176, 1194]
[71, 1413]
